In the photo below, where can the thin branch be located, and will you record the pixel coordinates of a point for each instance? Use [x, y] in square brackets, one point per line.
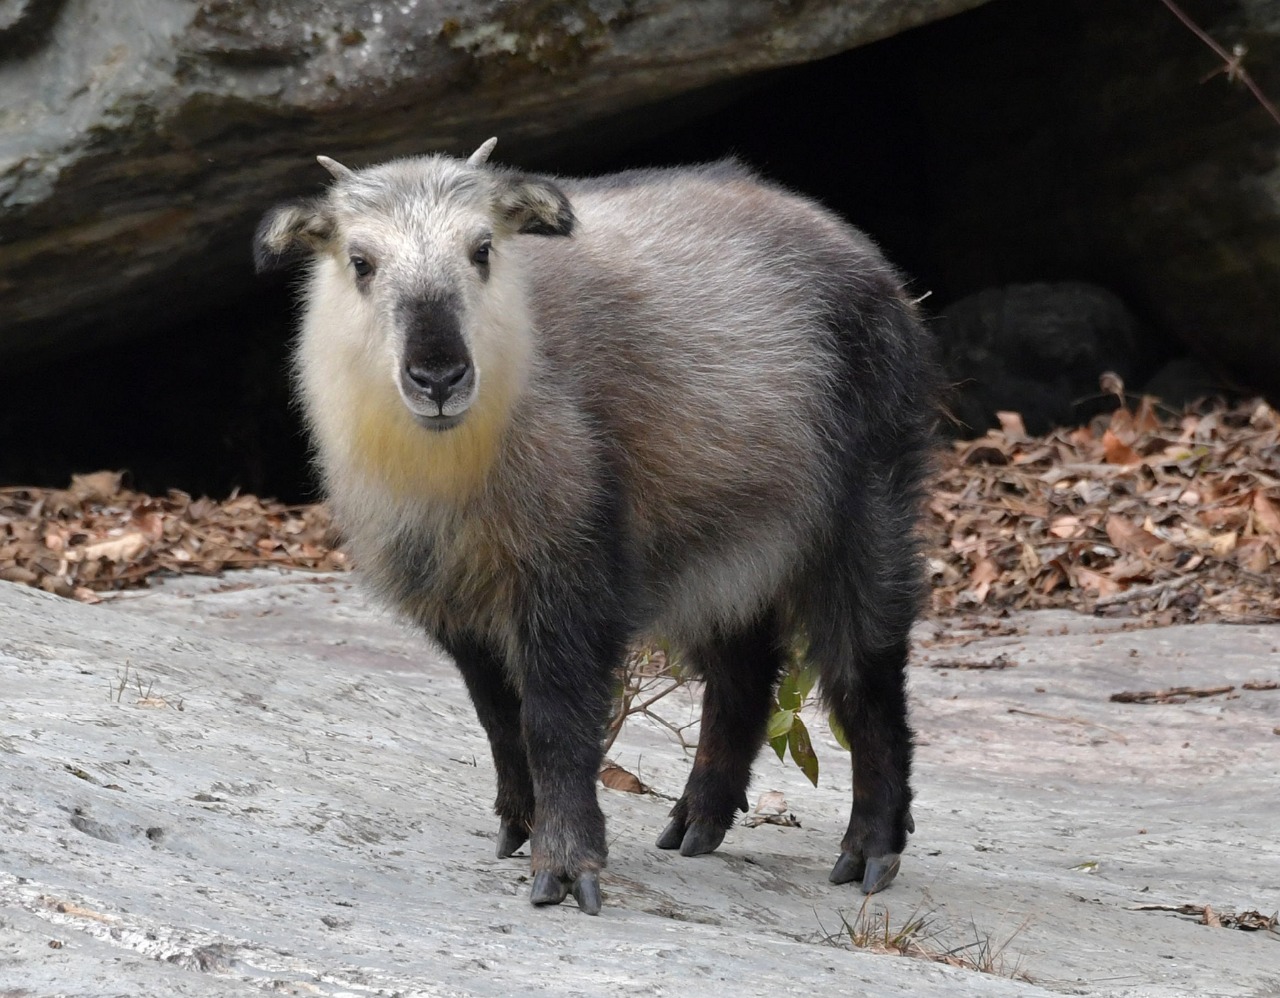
[644, 707]
[1232, 62]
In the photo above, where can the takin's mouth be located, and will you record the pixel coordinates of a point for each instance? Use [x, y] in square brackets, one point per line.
[431, 415]
[439, 423]
[436, 402]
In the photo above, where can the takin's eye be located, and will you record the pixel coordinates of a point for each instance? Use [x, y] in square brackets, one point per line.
[480, 255]
[362, 267]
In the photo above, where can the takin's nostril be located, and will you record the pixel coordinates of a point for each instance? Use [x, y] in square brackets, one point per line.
[438, 383]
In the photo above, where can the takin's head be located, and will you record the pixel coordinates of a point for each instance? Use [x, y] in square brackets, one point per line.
[407, 260]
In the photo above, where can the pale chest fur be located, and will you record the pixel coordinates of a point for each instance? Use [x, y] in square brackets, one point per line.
[446, 526]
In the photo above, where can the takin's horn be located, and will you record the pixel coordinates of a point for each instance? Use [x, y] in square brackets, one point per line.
[336, 169]
[478, 157]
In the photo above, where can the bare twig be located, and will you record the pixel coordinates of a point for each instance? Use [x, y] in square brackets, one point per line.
[645, 669]
[1001, 661]
[1142, 592]
[1174, 694]
[1232, 62]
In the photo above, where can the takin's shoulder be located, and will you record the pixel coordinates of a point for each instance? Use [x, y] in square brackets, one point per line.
[724, 179]
[719, 198]
[722, 171]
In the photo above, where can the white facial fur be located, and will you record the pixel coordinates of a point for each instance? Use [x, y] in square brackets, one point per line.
[417, 223]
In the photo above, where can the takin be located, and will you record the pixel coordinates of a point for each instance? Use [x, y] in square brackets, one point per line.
[554, 416]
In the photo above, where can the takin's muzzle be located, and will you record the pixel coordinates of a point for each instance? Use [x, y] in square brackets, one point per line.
[437, 377]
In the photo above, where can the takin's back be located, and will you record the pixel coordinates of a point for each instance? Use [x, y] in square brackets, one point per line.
[702, 317]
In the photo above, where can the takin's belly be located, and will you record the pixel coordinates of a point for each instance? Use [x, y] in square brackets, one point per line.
[690, 595]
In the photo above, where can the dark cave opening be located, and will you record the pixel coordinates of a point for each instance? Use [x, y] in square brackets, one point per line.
[951, 145]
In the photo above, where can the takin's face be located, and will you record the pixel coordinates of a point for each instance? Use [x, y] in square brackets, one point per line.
[410, 255]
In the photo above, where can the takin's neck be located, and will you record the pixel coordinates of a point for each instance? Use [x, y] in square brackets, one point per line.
[384, 443]
[366, 438]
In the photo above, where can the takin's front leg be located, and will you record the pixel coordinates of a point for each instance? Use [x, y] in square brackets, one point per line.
[498, 707]
[567, 686]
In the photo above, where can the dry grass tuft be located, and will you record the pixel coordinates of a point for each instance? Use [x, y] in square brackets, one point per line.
[872, 929]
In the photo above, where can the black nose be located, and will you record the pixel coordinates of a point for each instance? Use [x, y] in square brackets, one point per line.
[439, 383]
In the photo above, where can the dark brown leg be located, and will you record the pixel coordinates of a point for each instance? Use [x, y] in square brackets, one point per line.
[740, 673]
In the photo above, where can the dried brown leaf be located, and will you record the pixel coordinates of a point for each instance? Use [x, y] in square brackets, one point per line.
[1096, 582]
[1145, 420]
[1129, 537]
[100, 486]
[1249, 921]
[1116, 451]
[123, 548]
[97, 535]
[615, 777]
[1011, 425]
[1266, 516]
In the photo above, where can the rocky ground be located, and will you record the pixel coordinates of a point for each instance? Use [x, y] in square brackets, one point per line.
[216, 779]
[256, 782]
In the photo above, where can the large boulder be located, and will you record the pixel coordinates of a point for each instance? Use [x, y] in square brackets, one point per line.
[138, 141]
[1035, 349]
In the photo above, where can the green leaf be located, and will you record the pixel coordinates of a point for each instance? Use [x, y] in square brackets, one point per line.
[780, 724]
[779, 745]
[788, 697]
[838, 732]
[802, 750]
[806, 676]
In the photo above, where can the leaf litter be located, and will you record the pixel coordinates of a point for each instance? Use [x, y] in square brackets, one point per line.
[1158, 516]
[1166, 517]
[1248, 921]
[97, 535]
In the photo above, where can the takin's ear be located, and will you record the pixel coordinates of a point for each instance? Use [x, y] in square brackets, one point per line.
[534, 205]
[290, 232]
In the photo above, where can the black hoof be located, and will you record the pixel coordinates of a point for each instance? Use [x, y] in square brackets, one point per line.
[510, 838]
[911, 823]
[672, 836]
[693, 839]
[551, 889]
[586, 891]
[849, 867]
[701, 838]
[880, 872]
[548, 888]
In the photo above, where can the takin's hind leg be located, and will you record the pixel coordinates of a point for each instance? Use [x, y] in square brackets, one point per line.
[497, 706]
[740, 673]
[871, 707]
